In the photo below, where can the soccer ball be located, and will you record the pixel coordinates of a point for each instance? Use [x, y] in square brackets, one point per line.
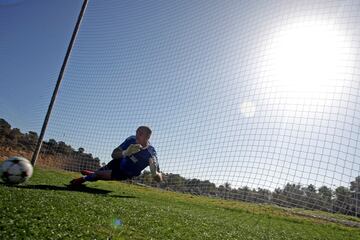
[16, 170]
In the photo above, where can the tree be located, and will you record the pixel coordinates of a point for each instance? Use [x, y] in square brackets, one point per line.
[325, 195]
[52, 143]
[33, 135]
[355, 192]
[5, 127]
[311, 197]
[227, 187]
[244, 193]
[208, 187]
[50, 146]
[262, 195]
[221, 190]
[193, 186]
[342, 200]
[63, 148]
[293, 195]
[81, 150]
[175, 182]
[355, 185]
[14, 136]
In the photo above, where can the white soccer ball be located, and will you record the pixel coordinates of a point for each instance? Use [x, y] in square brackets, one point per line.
[16, 170]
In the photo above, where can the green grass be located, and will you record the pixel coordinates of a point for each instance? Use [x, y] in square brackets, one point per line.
[45, 209]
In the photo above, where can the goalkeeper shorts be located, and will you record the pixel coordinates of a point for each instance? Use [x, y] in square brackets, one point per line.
[116, 172]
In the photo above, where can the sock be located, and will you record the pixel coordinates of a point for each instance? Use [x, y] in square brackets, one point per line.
[90, 178]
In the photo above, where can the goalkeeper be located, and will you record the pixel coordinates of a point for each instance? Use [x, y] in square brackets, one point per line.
[129, 159]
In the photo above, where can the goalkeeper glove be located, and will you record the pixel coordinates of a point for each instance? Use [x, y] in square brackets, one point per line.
[158, 177]
[132, 149]
[154, 170]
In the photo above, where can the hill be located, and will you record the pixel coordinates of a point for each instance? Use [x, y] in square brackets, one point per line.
[53, 154]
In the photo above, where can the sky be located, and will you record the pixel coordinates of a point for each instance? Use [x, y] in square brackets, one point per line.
[255, 93]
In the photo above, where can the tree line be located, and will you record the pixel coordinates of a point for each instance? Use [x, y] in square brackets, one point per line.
[343, 199]
[53, 153]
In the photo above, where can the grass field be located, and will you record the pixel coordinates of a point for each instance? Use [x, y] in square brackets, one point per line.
[45, 209]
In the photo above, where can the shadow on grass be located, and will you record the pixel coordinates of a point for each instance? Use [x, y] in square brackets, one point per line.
[84, 189]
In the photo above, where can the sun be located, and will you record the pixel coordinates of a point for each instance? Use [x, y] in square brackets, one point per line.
[307, 61]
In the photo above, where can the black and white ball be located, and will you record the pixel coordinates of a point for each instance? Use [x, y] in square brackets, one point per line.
[16, 170]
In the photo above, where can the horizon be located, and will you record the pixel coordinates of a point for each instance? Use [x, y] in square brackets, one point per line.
[255, 93]
[204, 180]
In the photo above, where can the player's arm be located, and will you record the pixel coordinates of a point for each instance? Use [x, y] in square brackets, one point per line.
[155, 170]
[117, 153]
[120, 153]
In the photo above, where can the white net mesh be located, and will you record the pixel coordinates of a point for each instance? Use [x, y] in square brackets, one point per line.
[249, 100]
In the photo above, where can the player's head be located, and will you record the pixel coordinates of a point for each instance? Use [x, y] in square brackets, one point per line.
[143, 134]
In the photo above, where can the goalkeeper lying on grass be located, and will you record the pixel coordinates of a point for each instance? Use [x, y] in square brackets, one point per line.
[129, 159]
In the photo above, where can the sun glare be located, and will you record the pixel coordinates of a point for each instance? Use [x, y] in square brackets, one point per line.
[307, 62]
[248, 109]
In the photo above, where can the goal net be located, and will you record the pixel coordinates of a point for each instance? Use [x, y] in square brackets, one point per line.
[255, 101]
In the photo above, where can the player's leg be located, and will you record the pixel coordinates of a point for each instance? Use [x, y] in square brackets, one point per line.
[106, 167]
[112, 171]
[117, 173]
[103, 173]
[98, 175]
[86, 172]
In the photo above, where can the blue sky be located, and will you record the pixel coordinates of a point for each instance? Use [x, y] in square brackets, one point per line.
[221, 84]
[34, 37]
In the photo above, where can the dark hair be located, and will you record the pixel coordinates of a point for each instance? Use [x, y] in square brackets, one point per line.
[144, 129]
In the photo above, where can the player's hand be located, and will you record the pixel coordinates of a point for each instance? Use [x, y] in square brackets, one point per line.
[132, 149]
[158, 177]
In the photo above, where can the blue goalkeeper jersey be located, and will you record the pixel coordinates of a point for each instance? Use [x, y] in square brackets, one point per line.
[134, 164]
